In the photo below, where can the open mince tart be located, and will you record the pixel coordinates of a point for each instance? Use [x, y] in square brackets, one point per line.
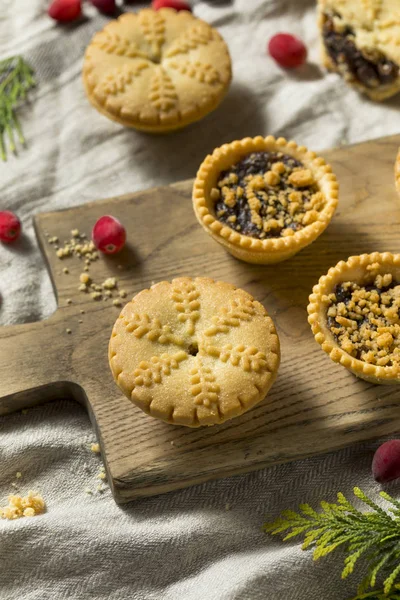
[354, 315]
[194, 351]
[264, 199]
[361, 41]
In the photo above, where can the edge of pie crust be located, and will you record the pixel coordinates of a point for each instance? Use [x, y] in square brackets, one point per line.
[354, 269]
[235, 363]
[397, 172]
[247, 248]
[187, 51]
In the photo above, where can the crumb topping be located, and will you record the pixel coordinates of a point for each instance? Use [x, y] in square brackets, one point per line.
[18, 506]
[267, 194]
[365, 320]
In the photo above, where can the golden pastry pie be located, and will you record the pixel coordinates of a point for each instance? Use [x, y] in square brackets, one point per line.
[194, 351]
[264, 199]
[354, 315]
[397, 172]
[156, 70]
[361, 41]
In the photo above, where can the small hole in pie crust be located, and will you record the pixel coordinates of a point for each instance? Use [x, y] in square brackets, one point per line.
[193, 349]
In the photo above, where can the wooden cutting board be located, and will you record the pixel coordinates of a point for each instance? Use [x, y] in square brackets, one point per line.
[314, 406]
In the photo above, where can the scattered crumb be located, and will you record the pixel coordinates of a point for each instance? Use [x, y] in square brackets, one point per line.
[15, 485]
[101, 475]
[75, 233]
[110, 283]
[96, 295]
[69, 301]
[172, 443]
[100, 487]
[80, 321]
[18, 475]
[84, 278]
[95, 447]
[117, 302]
[86, 268]
[83, 288]
[18, 506]
[108, 293]
[88, 491]
[65, 270]
[122, 293]
[68, 330]
[82, 311]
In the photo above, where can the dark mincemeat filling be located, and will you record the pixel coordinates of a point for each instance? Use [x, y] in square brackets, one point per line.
[257, 163]
[371, 72]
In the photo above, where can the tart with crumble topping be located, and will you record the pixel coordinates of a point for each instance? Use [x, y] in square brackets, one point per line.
[354, 313]
[194, 351]
[361, 42]
[264, 199]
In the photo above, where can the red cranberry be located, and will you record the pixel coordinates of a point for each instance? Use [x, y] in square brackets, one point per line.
[107, 7]
[287, 50]
[176, 4]
[386, 462]
[109, 235]
[10, 227]
[65, 11]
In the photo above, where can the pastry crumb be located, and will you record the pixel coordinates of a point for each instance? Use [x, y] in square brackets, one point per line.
[88, 491]
[69, 301]
[68, 330]
[18, 474]
[96, 295]
[95, 447]
[122, 293]
[18, 506]
[110, 283]
[117, 302]
[84, 278]
[65, 270]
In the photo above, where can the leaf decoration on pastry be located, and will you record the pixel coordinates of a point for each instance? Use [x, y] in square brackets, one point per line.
[239, 310]
[197, 35]
[186, 299]
[203, 385]
[163, 95]
[202, 72]
[153, 28]
[117, 80]
[152, 329]
[112, 43]
[153, 371]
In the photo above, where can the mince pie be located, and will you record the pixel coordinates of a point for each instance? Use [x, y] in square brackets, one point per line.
[361, 41]
[194, 351]
[354, 313]
[264, 199]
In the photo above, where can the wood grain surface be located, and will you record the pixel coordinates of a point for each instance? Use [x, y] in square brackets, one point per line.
[315, 405]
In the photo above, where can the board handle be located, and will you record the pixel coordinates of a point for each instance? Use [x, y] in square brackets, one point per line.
[32, 365]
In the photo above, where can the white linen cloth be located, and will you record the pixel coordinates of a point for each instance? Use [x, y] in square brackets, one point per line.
[182, 545]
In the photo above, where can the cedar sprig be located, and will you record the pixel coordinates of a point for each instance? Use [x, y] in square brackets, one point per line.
[16, 79]
[374, 535]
